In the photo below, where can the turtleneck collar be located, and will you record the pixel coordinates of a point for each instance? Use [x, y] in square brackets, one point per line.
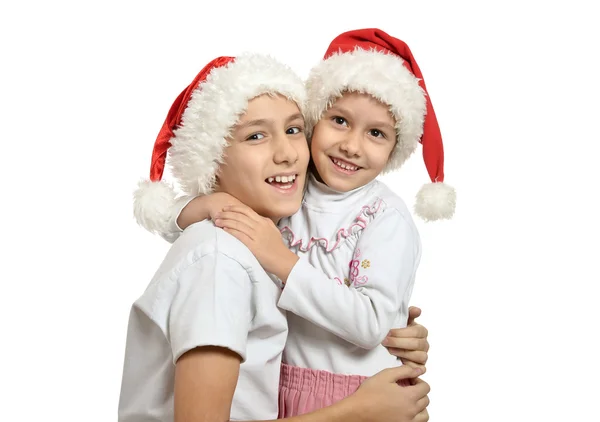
[319, 195]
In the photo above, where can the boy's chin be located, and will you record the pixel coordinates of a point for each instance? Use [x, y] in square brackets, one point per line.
[283, 210]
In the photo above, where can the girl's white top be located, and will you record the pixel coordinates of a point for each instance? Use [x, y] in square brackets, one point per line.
[359, 252]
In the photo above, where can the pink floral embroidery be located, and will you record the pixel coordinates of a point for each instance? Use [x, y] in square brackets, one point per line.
[355, 271]
[360, 222]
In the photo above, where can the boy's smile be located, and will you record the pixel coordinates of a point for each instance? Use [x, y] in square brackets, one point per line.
[266, 161]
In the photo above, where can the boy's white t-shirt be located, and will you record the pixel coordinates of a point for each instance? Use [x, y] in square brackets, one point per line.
[209, 291]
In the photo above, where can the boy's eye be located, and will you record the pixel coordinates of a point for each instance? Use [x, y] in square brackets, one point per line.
[340, 120]
[293, 131]
[376, 133]
[255, 137]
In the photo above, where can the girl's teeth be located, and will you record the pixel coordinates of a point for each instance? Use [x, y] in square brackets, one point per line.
[345, 166]
[278, 179]
[271, 179]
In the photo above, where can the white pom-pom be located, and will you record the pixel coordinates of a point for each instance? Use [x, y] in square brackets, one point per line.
[153, 204]
[435, 201]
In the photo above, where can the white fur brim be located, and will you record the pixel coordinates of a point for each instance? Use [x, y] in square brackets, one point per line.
[384, 77]
[435, 201]
[153, 204]
[214, 109]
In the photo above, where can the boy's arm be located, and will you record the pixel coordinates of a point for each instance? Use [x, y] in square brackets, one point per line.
[206, 378]
[205, 381]
[208, 324]
[379, 399]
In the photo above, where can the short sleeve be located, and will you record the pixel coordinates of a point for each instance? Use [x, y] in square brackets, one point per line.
[212, 306]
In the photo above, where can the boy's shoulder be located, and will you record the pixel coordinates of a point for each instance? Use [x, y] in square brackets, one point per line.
[204, 238]
[199, 244]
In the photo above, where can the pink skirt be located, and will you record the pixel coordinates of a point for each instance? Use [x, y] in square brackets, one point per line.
[305, 390]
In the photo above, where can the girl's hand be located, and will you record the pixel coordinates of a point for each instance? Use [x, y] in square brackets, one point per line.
[409, 344]
[261, 236]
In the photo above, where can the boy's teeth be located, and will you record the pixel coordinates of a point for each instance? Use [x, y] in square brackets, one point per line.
[282, 179]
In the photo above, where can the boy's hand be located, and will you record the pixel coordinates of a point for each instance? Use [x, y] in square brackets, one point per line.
[261, 236]
[409, 344]
[388, 401]
[204, 207]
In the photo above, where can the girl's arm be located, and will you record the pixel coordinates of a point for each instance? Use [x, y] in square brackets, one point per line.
[174, 230]
[360, 308]
[189, 210]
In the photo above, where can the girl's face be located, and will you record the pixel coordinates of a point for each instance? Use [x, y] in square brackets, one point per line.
[267, 157]
[352, 142]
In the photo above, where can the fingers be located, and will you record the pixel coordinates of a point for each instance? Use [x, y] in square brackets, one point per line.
[413, 344]
[412, 363]
[235, 224]
[413, 313]
[241, 236]
[419, 357]
[395, 374]
[422, 404]
[416, 330]
[243, 209]
[422, 417]
[420, 388]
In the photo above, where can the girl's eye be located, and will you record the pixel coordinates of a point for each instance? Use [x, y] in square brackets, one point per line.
[340, 120]
[376, 133]
[255, 137]
[293, 131]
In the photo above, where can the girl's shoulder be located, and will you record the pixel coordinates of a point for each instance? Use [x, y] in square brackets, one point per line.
[390, 200]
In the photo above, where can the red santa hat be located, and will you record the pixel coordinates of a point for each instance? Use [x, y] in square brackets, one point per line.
[194, 135]
[372, 62]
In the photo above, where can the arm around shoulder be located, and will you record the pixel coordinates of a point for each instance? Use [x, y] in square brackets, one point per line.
[174, 230]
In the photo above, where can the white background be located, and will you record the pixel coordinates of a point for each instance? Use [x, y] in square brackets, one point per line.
[508, 288]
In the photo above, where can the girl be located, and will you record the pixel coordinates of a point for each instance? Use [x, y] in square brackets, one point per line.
[205, 339]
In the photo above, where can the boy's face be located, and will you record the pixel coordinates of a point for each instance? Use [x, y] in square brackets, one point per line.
[352, 142]
[266, 162]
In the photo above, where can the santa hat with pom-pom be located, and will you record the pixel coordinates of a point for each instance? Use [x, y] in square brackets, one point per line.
[194, 135]
[372, 62]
